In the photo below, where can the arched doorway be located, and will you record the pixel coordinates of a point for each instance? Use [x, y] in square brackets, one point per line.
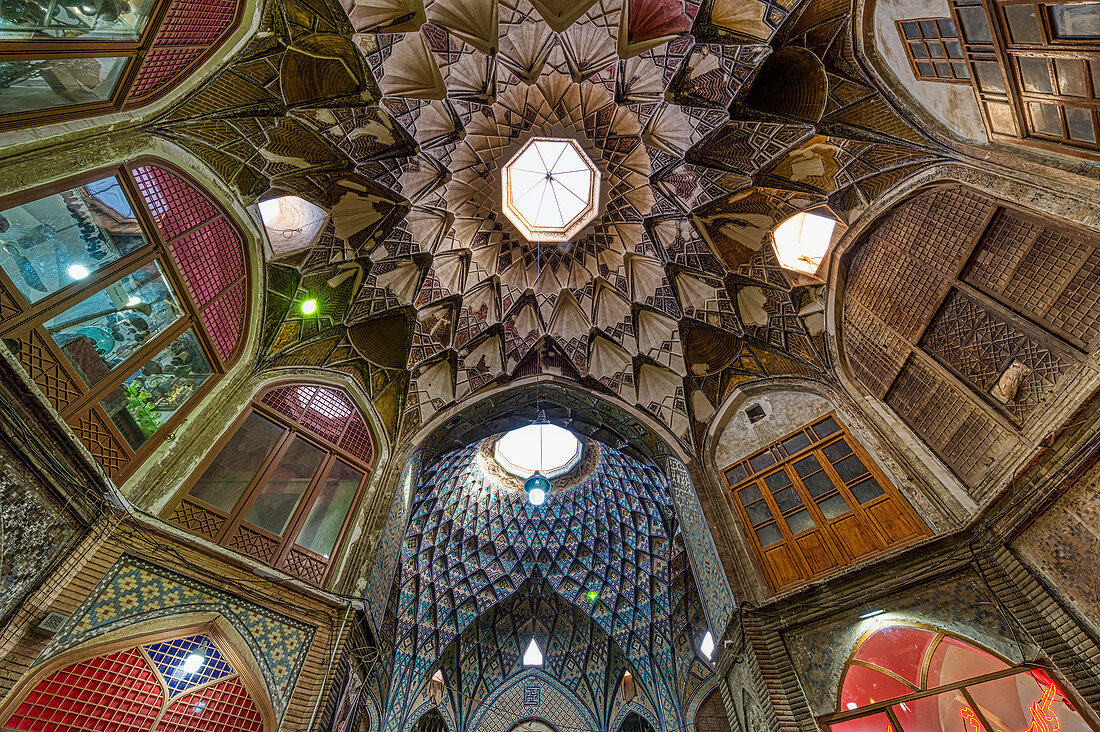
[171, 684]
[905, 678]
[533, 724]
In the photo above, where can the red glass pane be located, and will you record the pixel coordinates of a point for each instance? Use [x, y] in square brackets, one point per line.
[225, 707]
[327, 412]
[223, 320]
[863, 686]
[946, 712]
[956, 660]
[873, 723]
[1023, 703]
[175, 204]
[114, 692]
[899, 649]
[357, 440]
[290, 401]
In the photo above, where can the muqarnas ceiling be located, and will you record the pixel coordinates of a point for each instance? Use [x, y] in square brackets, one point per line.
[396, 118]
[482, 572]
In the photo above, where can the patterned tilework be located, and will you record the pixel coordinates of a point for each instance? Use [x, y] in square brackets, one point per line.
[385, 557]
[557, 705]
[134, 590]
[717, 597]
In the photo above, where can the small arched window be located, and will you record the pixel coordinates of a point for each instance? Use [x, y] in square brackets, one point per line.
[188, 683]
[63, 60]
[912, 679]
[283, 482]
[124, 294]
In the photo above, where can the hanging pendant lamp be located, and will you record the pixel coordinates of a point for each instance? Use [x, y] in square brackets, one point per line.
[538, 485]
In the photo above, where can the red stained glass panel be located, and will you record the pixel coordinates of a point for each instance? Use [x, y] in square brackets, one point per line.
[899, 649]
[224, 707]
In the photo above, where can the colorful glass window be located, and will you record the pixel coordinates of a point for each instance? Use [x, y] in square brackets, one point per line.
[281, 486]
[914, 679]
[123, 293]
[179, 684]
[61, 59]
[814, 501]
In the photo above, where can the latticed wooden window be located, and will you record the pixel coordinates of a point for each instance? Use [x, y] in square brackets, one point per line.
[814, 501]
[60, 60]
[934, 49]
[283, 482]
[1036, 68]
[188, 683]
[124, 294]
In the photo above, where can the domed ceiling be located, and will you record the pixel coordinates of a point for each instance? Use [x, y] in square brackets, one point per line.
[708, 125]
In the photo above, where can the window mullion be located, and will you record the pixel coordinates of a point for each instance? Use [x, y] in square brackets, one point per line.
[244, 504]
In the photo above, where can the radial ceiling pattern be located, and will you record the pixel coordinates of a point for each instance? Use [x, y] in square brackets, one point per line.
[397, 117]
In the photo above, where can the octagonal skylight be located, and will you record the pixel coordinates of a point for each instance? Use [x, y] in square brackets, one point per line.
[551, 189]
[547, 448]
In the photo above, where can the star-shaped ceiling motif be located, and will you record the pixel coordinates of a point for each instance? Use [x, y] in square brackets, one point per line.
[397, 118]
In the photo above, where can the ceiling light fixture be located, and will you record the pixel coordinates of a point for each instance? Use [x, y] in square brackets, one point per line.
[870, 614]
[194, 661]
[309, 307]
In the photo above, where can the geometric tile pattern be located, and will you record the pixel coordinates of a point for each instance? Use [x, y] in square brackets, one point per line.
[389, 547]
[134, 591]
[480, 567]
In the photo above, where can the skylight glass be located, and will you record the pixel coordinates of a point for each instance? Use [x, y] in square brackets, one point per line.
[550, 189]
[802, 240]
[533, 655]
[706, 647]
[520, 453]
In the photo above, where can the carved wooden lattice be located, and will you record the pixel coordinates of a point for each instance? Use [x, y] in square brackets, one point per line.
[302, 565]
[254, 544]
[197, 519]
[46, 371]
[104, 448]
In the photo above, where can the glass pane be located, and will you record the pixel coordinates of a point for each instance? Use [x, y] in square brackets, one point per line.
[807, 465]
[935, 50]
[825, 427]
[1079, 122]
[1035, 74]
[989, 77]
[326, 517]
[910, 29]
[1045, 119]
[947, 27]
[736, 474]
[111, 19]
[975, 27]
[1071, 77]
[819, 484]
[1094, 71]
[850, 468]
[918, 50]
[787, 499]
[943, 70]
[867, 490]
[60, 82]
[836, 451]
[1023, 24]
[761, 461]
[768, 535]
[158, 389]
[960, 70]
[800, 521]
[1076, 21]
[222, 483]
[758, 513]
[834, 506]
[749, 494]
[925, 70]
[956, 660]
[954, 49]
[777, 481]
[60, 239]
[103, 330]
[795, 443]
[863, 686]
[286, 486]
[928, 28]
[1024, 702]
[949, 712]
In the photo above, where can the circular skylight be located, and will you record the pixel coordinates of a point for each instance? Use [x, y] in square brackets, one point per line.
[521, 454]
[551, 189]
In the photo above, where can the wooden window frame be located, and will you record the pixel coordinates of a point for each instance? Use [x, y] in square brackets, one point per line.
[1006, 54]
[30, 321]
[137, 50]
[823, 535]
[923, 40]
[235, 517]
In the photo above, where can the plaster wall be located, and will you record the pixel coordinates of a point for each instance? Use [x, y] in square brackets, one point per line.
[1063, 546]
[952, 104]
[784, 412]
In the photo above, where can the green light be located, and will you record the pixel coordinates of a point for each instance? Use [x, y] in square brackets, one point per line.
[309, 307]
[593, 596]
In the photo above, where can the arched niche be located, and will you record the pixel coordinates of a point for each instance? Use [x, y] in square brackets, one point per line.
[791, 84]
[142, 677]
